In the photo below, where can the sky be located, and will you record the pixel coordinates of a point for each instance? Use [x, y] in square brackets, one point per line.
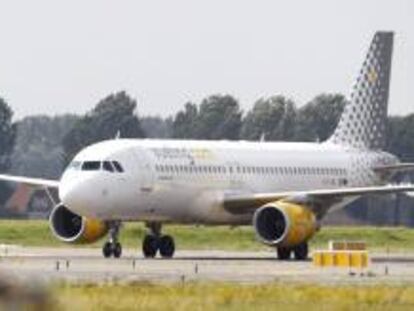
[64, 56]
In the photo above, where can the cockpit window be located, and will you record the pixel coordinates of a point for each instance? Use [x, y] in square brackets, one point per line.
[75, 165]
[118, 166]
[91, 166]
[107, 166]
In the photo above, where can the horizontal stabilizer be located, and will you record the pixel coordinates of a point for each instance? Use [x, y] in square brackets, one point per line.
[395, 168]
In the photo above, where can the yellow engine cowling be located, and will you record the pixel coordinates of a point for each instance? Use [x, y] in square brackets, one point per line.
[284, 224]
[72, 228]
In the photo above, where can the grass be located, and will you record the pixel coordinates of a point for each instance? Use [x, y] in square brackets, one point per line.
[223, 296]
[37, 233]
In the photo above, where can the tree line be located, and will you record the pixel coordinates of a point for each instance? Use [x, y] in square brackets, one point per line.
[42, 146]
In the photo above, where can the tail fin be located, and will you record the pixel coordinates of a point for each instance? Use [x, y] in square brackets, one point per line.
[363, 122]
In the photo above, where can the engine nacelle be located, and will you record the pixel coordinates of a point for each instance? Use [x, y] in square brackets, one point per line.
[284, 224]
[72, 228]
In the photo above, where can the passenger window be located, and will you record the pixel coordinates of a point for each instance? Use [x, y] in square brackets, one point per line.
[91, 166]
[118, 166]
[107, 166]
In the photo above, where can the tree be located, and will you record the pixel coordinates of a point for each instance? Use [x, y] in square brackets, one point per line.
[156, 127]
[318, 119]
[273, 117]
[7, 138]
[112, 115]
[219, 117]
[184, 124]
[400, 137]
[38, 148]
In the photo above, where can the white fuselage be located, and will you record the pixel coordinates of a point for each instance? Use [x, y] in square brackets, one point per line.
[186, 181]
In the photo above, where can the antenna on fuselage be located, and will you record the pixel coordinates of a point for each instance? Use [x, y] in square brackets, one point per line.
[118, 134]
[263, 137]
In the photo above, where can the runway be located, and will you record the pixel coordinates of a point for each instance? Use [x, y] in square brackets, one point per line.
[87, 265]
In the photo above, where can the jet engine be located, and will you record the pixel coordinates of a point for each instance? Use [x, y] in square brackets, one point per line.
[284, 224]
[72, 228]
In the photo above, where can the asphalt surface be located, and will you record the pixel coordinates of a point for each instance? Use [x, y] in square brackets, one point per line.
[87, 265]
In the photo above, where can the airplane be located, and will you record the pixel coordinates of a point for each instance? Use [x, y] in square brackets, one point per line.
[283, 189]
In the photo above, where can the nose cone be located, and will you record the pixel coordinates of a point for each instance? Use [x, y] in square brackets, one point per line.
[77, 194]
[74, 197]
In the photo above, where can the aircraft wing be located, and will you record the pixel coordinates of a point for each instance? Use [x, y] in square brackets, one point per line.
[33, 182]
[244, 203]
[399, 167]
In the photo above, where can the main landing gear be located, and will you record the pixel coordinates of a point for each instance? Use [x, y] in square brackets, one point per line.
[155, 241]
[112, 247]
[300, 252]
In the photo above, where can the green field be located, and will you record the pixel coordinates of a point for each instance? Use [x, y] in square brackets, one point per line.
[37, 233]
[219, 296]
[212, 296]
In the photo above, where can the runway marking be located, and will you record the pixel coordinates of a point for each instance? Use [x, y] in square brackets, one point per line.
[87, 265]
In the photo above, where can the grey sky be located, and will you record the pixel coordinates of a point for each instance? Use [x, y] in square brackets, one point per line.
[63, 56]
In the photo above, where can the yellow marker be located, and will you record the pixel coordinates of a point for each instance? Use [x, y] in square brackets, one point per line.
[341, 259]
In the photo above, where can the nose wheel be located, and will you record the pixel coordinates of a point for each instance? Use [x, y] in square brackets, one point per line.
[113, 247]
[155, 242]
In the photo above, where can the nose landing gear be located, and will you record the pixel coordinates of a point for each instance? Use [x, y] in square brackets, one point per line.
[113, 247]
[155, 241]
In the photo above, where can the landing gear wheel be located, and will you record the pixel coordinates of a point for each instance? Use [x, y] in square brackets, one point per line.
[283, 253]
[112, 247]
[301, 251]
[107, 250]
[150, 246]
[167, 246]
[117, 249]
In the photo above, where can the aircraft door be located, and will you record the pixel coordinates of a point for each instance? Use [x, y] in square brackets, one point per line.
[145, 175]
[234, 181]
